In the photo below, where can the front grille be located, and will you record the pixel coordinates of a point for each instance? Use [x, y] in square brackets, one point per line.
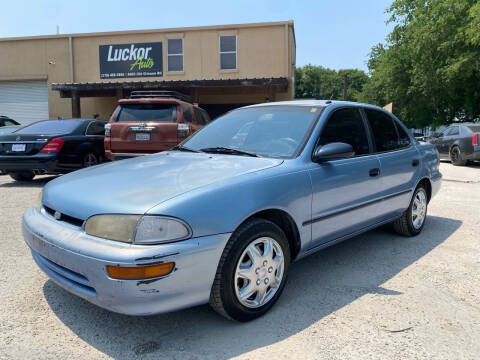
[68, 219]
[66, 277]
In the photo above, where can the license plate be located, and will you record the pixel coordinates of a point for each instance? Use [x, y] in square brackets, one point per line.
[142, 137]
[18, 147]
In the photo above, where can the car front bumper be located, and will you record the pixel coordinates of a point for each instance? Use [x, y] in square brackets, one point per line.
[77, 262]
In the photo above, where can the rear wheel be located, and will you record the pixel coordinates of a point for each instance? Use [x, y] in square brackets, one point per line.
[22, 176]
[90, 159]
[456, 157]
[413, 219]
[252, 271]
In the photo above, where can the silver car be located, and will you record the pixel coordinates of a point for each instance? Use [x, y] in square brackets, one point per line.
[220, 218]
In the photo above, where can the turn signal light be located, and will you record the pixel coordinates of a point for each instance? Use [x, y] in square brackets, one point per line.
[139, 272]
[53, 146]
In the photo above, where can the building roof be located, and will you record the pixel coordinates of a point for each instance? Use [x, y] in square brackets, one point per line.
[149, 31]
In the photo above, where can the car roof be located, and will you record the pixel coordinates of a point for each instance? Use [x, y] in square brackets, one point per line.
[323, 103]
[149, 100]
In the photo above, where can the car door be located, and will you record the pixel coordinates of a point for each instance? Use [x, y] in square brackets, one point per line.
[452, 135]
[96, 134]
[399, 160]
[442, 142]
[345, 191]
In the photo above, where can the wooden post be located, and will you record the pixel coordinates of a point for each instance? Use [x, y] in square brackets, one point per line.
[119, 93]
[75, 104]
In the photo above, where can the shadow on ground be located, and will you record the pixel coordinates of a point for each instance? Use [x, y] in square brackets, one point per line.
[36, 182]
[318, 285]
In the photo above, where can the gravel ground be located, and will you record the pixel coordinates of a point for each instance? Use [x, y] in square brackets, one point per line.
[376, 296]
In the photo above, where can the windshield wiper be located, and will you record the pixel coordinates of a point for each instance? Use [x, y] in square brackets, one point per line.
[184, 148]
[229, 151]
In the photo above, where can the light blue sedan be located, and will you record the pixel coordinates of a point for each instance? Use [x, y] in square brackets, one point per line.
[219, 218]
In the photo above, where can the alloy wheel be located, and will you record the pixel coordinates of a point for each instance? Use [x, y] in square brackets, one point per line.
[419, 209]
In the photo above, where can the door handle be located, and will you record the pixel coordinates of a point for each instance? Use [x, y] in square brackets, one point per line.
[374, 172]
[415, 162]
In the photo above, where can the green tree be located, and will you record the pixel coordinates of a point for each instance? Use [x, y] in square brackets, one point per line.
[317, 82]
[429, 66]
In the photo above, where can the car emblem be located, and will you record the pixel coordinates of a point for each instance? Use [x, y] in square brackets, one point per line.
[142, 125]
[18, 138]
[57, 215]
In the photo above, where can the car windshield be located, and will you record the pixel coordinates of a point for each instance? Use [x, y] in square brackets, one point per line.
[147, 112]
[50, 127]
[270, 131]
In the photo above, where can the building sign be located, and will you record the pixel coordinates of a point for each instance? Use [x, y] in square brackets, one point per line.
[131, 60]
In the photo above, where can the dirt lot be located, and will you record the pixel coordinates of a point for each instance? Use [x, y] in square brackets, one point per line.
[377, 296]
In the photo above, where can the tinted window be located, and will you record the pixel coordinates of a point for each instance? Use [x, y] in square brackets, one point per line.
[147, 112]
[346, 126]
[384, 131]
[96, 128]
[50, 127]
[453, 131]
[206, 117]
[271, 131]
[187, 113]
[9, 123]
[199, 116]
[403, 138]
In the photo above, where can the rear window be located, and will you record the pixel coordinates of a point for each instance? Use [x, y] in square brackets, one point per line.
[147, 113]
[50, 127]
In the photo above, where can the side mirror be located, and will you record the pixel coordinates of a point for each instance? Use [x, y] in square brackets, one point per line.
[333, 151]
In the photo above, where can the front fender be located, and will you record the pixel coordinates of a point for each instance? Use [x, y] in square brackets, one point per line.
[222, 207]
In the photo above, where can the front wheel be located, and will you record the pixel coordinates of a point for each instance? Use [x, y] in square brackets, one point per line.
[252, 271]
[413, 219]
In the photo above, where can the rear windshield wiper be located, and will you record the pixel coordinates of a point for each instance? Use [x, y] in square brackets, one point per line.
[184, 148]
[226, 150]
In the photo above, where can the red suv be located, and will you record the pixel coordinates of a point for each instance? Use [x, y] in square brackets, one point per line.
[151, 121]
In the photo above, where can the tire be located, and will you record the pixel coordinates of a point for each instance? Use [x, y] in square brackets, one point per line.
[22, 176]
[224, 296]
[406, 225]
[456, 157]
[90, 159]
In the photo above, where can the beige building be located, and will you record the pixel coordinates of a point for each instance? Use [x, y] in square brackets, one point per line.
[77, 75]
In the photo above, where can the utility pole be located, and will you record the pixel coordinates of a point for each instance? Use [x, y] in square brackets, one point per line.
[345, 86]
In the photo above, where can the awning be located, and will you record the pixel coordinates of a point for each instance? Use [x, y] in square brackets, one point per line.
[191, 87]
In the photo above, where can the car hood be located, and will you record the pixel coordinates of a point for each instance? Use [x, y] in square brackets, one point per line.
[136, 185]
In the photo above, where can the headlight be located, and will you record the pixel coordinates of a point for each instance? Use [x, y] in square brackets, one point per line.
[38, 203]
[156, 229]
[113, 227]
[137, 229]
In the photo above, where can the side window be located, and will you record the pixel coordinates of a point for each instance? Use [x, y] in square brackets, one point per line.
[346, 125]
[9, 123]
[403, 137]
[96, 128]
[384, 131]
[453, 131]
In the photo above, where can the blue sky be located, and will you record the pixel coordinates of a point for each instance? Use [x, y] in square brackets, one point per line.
[334, 34]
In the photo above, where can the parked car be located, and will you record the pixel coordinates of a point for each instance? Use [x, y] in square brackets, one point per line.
[6, 121]
[8, 129]
[212, 222]
[458, 143]
[51, 147]
[151, 121]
